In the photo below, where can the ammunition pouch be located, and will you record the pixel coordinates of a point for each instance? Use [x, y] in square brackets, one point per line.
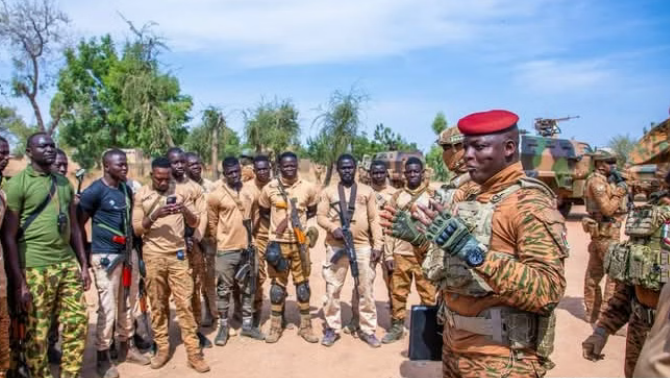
[636, 263]
[590, 226]
[616, 261]
[643, 221]
[510, 327]
[274, 257]
[646, 314]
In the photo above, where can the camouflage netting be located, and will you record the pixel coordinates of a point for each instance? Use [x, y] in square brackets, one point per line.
[654, 147]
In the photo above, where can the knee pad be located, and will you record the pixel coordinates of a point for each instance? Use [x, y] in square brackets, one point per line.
[302, 291]
[277, 294]
[274, 258]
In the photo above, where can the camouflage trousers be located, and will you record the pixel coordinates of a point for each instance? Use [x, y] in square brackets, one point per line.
[196, 262]
[167, 275]
[363, 300]
[56, 289]
[455, 365]
[291, 252]
[261, 245]
[208, 287]
[406, 268]
[638, 330]
[227, 264]
[595, 271]
[4, 336]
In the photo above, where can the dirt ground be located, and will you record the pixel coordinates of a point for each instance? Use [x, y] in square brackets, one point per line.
[293, 357]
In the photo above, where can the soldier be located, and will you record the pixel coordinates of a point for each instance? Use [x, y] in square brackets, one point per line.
[451, 141]
[286, 253]
[383, 193]
[654, 361]
[161, 211]
[503, 258]
[637, 289]
[246, 161]
[108, 202]
[4, 311]
[205, 284]
[407, 256]
[606, 208]
[60, 165]
[193, 235]
[225, 218]
[43, 243]
[356, 215]
[250, 193]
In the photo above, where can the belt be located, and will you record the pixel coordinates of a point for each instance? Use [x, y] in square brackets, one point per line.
[504, 325]
[644, 313]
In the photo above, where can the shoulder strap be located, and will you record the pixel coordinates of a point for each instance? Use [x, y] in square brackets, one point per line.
[414, 197]
[351, 206]
[238, 204]
[38, 210]
[533, 183]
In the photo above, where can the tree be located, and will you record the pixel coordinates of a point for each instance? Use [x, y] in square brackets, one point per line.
[214, 122]
[434, 156]
[272, 127]
[385, 139]
[439, 123]
[622, 145]
[339, 126]
[34, 32]
[14, 129]
[200, 141]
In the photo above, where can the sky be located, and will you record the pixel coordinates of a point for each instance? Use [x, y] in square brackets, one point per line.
[607, 61]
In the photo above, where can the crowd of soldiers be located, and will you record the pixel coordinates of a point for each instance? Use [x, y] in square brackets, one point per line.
[488, 248]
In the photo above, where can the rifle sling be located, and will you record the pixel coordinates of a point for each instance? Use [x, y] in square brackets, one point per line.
[38, 210]
[282, 192]
[351, 206]
[240, 208]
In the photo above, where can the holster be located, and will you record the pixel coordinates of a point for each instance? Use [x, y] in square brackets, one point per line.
[644, 313]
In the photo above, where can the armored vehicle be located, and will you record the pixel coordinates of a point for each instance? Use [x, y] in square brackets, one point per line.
[394, 161]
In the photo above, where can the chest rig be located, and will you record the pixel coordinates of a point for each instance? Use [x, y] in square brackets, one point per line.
[644, 259]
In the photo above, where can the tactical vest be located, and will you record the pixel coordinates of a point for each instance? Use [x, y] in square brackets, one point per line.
[451, 273]
[445, 195]
[643, 260]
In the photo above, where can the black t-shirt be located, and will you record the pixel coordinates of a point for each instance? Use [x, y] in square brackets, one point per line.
[107, 209]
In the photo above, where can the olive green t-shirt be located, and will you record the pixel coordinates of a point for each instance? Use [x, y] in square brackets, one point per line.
[42, 244]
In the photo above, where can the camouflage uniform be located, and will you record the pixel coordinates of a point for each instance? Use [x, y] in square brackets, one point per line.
[522, 274]
[604, 206]
[408, 259]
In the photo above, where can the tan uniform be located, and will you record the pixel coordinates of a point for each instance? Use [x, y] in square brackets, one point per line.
[168, 270]
[250, 194]
[654, 359]
[523, 272]
[604, 206]
[248, 173]
[226, 216]
[207, 249]
[408, 259]
[367, 235]
[306, 195]
[383, 196]
[4, 313]
[195, 255]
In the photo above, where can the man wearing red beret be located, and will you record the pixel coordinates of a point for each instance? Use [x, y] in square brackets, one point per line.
[502, 259]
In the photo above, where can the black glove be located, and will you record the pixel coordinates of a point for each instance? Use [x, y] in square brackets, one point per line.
[616, 176]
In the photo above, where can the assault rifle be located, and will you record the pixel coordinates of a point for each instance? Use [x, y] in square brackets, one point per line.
[145, 313]
[298, 231]
[249, 270]
[127, 271]
[345, 220]
[18, 367]
[79, 175]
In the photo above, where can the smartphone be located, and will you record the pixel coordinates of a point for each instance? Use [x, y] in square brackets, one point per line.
[171, 200]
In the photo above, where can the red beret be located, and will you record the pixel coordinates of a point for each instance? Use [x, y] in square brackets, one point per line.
[489, 122]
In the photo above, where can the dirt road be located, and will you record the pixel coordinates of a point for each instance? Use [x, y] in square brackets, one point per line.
[293, 357]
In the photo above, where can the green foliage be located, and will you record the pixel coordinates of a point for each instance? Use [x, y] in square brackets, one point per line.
[439, 123]
[622, 145]
[112, 100]
[14, 129]
[272, 127]
[199, 139]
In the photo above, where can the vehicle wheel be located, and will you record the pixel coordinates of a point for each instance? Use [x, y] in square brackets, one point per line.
[564, 208]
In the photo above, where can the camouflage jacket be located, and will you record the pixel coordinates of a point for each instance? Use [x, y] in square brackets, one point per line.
[602, 200]
[524, 265]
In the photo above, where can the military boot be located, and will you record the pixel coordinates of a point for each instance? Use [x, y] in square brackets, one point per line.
[275, 329]
[160, 359]
[208, 319]
[396, 332]
[104, 365]
[197, 363]
[222, 335]
[305, 330]
[128, 352]
[248, 330]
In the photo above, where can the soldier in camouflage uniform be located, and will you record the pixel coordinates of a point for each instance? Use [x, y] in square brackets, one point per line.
[605, 205]
[50, 276]
[203, 272]
[408, 256]
[498, 257]
[640, 267]
[451, 141]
